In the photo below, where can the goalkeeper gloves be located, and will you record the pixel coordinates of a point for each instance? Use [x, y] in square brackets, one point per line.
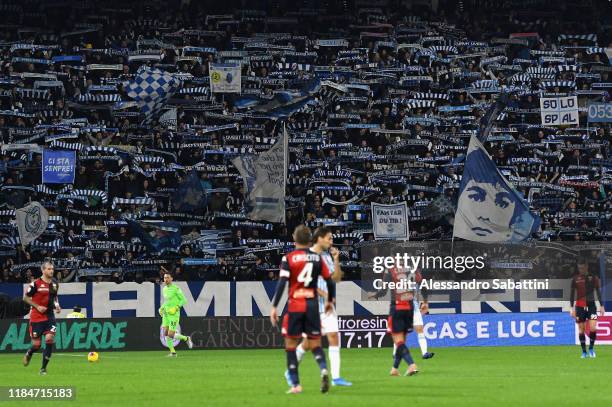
[161, 311]
[173, 310]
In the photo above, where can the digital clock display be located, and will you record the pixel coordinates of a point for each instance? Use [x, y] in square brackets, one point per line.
[364, 332]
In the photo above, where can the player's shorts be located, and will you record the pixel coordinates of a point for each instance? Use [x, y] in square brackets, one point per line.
[586, 313]
[417, 318]
[400, 321]
[329, 322]
[297, 323]
[171, 321]
[40, 329]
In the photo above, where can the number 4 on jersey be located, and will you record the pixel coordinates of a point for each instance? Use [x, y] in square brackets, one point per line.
[305, 275]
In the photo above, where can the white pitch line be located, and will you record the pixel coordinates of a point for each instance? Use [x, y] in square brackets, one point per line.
[83, 356]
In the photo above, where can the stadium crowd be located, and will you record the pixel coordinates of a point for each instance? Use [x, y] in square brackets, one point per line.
[379, 103]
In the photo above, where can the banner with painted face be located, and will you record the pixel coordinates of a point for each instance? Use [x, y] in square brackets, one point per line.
[489, 208]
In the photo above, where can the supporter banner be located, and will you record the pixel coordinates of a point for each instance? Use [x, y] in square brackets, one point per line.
[600, 113]
[32, 220]
[253, 298]
[225, 78]
[560, 111]
[390, 221]
[58, 166]
[489, 209]
[264, 181]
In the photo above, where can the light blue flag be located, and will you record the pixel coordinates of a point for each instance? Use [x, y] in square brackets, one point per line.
[489, 208]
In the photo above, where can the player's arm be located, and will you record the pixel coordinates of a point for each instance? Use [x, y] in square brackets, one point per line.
[280, 289]
[27, 298]
[424, 294]
[331, 294]
[572, 298]
[180, 297]
[383, 290]
[337, 274]
[331, 286]
[597, 289]
[56, 303]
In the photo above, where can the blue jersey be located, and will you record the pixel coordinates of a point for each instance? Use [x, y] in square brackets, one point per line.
[322, 284]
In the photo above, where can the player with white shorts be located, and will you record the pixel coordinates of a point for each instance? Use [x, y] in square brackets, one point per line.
[322, 244]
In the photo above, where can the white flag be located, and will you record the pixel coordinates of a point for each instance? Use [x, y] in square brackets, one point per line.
[32, 221]
[264, 182]
[225, 78]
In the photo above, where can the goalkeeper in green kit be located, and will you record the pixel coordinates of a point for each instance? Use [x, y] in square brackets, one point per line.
[170, 312]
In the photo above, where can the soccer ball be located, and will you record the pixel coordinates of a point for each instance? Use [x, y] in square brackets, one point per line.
[93, 356]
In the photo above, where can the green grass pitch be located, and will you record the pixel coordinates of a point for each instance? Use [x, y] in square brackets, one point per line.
[509, 376]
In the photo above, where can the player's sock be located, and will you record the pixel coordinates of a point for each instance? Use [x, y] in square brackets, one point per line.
[592, 338]
[170, 344]
[320, 358]
[397, 359]
[47, 354]
[33, 350]
[404, 353]
[292, 366]
[334, 361]
[180, 337]
[300, 352]
[422, 343]
[582, 339]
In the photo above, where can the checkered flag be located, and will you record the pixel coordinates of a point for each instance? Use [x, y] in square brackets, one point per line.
[152, 89]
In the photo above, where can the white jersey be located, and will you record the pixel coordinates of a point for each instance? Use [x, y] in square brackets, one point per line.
[322, 284]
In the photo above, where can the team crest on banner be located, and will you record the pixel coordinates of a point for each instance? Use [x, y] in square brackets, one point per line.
[32, 221]
[225, 78]
[390, 221]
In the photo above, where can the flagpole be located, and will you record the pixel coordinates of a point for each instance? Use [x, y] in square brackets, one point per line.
[285, 165]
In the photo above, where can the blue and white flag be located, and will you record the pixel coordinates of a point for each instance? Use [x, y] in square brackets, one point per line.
[264, 182]
[151, 89]
[225, 78]
[191, 195]
[58, 166]
[158, 237]
[489, 209]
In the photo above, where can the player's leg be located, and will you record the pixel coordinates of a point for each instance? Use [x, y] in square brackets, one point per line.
[329, 328]
[592, 333]
[36, 342]
[292, 331]
[401, 323]
[580, 321]
[302, 348]
[173, 321]
[49, 342]
[418, 327]
[312, 328]
[319, 356]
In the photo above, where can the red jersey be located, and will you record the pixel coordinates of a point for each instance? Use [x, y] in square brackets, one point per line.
[302, 267]
[402, 298]
[44, 294]
[584, 287]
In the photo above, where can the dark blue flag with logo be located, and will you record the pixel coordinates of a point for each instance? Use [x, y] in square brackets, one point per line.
[190, 194]
[157, 236]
